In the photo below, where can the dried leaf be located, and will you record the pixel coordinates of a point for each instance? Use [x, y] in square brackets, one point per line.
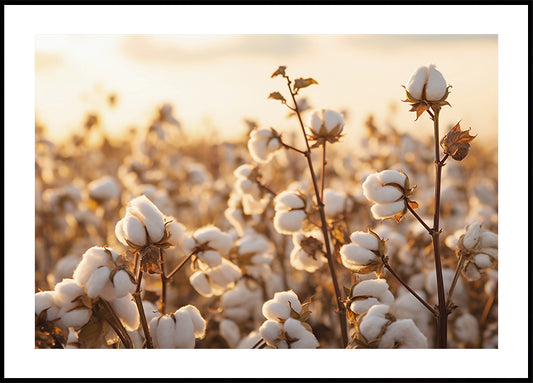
[277, 96]
[413, 204]
[91, 334]
[456, 142]
[279, 72]
[303, 83]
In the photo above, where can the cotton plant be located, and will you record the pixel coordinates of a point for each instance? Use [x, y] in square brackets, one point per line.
[214, 272]
[286, 325]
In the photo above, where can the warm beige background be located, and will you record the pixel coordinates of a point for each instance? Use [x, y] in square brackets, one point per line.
[215, 81]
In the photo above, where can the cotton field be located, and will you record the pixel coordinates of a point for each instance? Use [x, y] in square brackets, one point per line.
[276, 240]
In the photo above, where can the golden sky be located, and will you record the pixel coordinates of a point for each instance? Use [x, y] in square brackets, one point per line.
[215, 81]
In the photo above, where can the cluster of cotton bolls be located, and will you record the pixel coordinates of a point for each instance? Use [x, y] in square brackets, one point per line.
[244, 216]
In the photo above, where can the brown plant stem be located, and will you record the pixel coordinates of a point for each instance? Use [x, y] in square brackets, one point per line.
[442, 318]
[429, 230]
[404, 284]
[323, 175]
[290, 147]
[486, 310]
[162, 305]
[258, 343]
[458, 271]
[182, 263]
[114, 322]
[140, 308]
[341, 310]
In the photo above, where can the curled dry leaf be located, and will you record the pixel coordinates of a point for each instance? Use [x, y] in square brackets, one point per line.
[277, 96]
[456, 142]
[303, 83]
[279, 72]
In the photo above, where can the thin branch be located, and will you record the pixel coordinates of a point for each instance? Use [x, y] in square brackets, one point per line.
[420, 299]
[182, 263]
[258, 343]
[140, 308]
[293, 148]
[415, 214]
[162, 306]
[323, 175]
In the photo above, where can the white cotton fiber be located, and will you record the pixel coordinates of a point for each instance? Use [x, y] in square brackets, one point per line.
[466, 328]
[289, 222]
[201, 284]
[392, 176]
[472, 236]
[271, 331]
[198, 322]
[127, 311]
[436, 84]
[274, 310]
[366, 240]
[482, 261]
[471, 272]
[288, 199]
[382, 211]
[373, 321]
[97, 282]
[354, 255]
[488, 239]
[230, 332]
[176, 231]
[123, 284]
[403, 333]
[416, 82]
[334, 202]
[43, 301]
[66, 291]
[289, 298]
[184, 330]
[74, 318]
[211, 258]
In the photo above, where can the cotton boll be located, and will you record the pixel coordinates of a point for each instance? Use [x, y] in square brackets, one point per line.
[362, 306]
[376, 291]
[355, 257]
[482, 261]
[201, 284]
[230, 332]
[392, 176]
[262, 144]
[383, 211]
[66, 291]
[271, 331]
[184, 330]
[150, 311]
[198, 322]
[123, 284]
[176, 231]
[91, 260]
[403, 333]
[416, 82]
[153, 325]
[488, 239]
[471, 272]
[288, 199]
[472, 236]
[374, 320]
[75, 318]
[249, 341]
[365, 240]
[43, 301]
[289, 222]
[97, 282]
[126, 310]
[333, 202]
[466, 329]
[166, 332]
[289, 298]
[211, 258]
[436, 84]
[214, 238]
[105, 188]
[295, 329]
[274, 310]
[150, 215]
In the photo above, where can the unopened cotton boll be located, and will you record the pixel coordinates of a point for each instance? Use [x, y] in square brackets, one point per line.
[263, 143]
[403, 333]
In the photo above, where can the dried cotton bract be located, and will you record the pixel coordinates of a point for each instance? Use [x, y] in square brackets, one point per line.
[480, 249]
[178, 330]
[263, 144]
[308, 251]
[285, 326]
[388, 190]
[290, 212]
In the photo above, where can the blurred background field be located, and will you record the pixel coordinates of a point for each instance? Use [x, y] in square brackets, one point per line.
[215, 81]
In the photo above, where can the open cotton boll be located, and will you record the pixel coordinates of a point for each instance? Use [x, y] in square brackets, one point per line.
[214, 238]
[43, 301]
[466, 328]
[165, 332]
[262, 144]
[383, 211]
[91, 260]
[472, 235]
[123, 284]
[225, 274]
[276, 310]
[184, 330]
[403, 333]
[253, 243]
[74, 318]
[365, 240]
[488, 239]
[355, 257]
[334, 202]
[376, 291]
[230, 332]
[392, 176]
[210, 257]
[325, 121]
[152, 325]
[105, 188]
[66, 291]
[243, 171]
[177, 232]
[97, 282]
[288, 222]
[198, 321]
[247, 186]
[150, 311]
[289, 298]
[416, 82]
[483, 261]
[149, 215]
[126, 310]
[303, 338]
[373, 321]
[436, 84]
[471, 272]
[288, 199]
[271, 331]
[201, 284]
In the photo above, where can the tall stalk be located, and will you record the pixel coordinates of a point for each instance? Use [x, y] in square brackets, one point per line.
[341, 310]
[442, 318]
